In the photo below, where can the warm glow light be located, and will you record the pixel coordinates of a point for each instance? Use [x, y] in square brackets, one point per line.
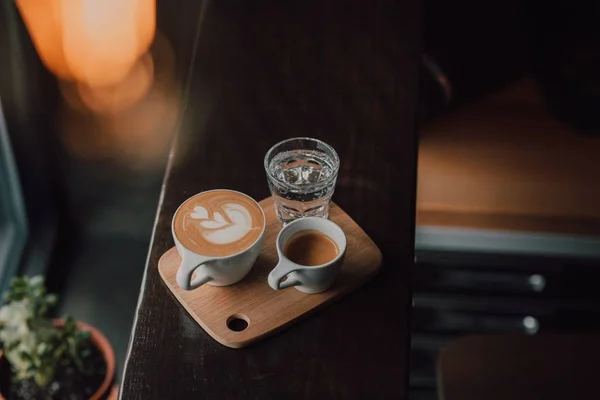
[43, 21]
[121, 101]
[121, 96]
[94, 42]
[131, 122]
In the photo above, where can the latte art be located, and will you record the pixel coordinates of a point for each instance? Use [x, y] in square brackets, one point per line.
[225, 227]
[218, 223]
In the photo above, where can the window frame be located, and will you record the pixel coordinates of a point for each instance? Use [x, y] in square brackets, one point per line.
[13, 219]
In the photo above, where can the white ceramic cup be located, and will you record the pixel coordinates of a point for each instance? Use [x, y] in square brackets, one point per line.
[213, 270]
[307, 279]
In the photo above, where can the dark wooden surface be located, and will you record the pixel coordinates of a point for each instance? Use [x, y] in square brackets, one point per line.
[519, 367]
[342, 71]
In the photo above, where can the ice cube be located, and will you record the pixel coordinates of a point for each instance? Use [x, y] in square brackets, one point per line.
[291, 175]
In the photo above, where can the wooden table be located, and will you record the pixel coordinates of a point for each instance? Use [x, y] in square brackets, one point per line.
[342, 71]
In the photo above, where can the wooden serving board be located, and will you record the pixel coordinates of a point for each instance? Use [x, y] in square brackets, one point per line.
[252, 300]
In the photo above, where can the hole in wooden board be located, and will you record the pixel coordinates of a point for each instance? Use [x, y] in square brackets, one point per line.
[238, 322]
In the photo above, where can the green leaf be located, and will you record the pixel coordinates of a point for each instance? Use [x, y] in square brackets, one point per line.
[32, 344]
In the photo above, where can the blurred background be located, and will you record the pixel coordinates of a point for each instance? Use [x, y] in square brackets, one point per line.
[90, 93]
[508, 203]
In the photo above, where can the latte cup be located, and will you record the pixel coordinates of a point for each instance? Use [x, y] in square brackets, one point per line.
[208, 230]
[307, 279]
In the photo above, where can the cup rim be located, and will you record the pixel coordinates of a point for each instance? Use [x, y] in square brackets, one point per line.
[281, 253]
[177, 241]
[293, 185]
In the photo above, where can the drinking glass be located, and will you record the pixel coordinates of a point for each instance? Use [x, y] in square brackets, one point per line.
[301, 173]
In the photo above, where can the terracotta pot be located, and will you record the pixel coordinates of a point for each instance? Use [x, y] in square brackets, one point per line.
[102, 343]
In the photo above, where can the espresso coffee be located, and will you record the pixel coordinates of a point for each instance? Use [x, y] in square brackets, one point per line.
[311, 248]
[218, 223]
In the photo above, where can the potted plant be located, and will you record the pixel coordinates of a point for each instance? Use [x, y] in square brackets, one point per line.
[46, 359]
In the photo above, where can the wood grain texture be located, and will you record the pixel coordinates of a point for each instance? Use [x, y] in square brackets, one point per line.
[345, 72]
[268, 310]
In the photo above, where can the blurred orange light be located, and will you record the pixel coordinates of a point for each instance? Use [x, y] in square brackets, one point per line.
[115, 98]
[121, 101]
[93, 42]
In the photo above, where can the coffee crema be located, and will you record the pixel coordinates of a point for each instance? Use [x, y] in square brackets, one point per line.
[311, 248]
[218, 223]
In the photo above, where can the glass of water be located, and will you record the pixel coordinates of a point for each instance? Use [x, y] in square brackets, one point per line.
[301, 173]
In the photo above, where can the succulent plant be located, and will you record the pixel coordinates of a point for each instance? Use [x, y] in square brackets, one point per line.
[31, 342]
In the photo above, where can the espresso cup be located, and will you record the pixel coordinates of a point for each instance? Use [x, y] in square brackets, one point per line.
[307, 279]
[218, 234]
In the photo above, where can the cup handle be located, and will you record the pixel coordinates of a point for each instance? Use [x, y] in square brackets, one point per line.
[186, 270]
[281, 271]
